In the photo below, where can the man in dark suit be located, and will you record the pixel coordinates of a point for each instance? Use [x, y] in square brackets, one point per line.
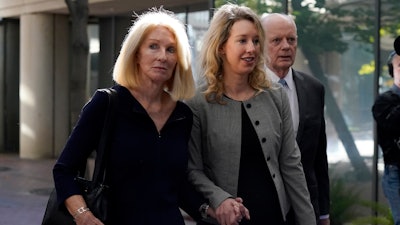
[306, 95]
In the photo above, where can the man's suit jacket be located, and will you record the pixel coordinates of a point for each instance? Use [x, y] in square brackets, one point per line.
[311, 139]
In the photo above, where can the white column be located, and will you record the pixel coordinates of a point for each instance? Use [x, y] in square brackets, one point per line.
[61, 83]
[36, 85]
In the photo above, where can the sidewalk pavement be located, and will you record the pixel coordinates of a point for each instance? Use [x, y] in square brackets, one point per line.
[24, 189]
[25, 186]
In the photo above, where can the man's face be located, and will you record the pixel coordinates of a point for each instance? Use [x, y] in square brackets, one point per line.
[280, 44]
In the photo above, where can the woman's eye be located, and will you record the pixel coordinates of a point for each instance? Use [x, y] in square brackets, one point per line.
[171, 49]
[256, 41]
[153, 46]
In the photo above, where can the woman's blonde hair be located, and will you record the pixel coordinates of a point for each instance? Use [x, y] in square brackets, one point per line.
[214, 39]
[181, 86]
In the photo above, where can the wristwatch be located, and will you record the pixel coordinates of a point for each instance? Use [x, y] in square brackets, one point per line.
[203, 210]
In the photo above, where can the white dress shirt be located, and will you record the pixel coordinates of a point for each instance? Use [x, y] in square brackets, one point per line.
[291, 93]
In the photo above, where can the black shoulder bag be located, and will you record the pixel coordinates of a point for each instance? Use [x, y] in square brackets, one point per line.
[95, 190]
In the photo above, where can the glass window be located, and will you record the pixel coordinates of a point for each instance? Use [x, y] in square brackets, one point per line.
[94, 49]
[197, 24]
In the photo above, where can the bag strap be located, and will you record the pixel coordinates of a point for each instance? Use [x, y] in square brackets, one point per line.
[100, 162]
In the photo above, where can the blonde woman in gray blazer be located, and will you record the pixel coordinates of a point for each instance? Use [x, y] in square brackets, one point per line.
[242, 142]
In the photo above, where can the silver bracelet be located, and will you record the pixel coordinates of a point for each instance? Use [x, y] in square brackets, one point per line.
[80, 211]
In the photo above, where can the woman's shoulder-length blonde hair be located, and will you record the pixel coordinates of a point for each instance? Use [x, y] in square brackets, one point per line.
[125, 72]
[215, 37]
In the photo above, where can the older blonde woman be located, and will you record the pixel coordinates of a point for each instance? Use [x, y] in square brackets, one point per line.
[147, 160]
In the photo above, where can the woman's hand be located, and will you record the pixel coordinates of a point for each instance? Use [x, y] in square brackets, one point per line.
[231, 212]
[243, 211]
[76, 206]
[87, 218]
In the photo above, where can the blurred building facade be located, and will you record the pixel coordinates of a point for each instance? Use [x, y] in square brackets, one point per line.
[35, 42]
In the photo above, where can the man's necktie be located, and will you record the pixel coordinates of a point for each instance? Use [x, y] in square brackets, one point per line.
[283, 83]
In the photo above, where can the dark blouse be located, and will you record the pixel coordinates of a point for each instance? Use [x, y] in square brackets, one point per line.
[255, 182]
[146, 169]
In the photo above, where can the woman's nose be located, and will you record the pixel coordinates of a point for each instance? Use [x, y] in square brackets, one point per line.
[162, 55]
[251, 46]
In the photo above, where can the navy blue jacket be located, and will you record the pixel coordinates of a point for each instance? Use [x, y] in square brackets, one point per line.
[146, 169]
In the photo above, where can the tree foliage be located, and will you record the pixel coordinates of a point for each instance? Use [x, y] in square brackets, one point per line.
[323, 24]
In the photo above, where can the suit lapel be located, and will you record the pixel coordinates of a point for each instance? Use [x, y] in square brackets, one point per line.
[301, 88]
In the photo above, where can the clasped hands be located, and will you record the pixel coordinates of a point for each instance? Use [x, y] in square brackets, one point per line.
[231, 212]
